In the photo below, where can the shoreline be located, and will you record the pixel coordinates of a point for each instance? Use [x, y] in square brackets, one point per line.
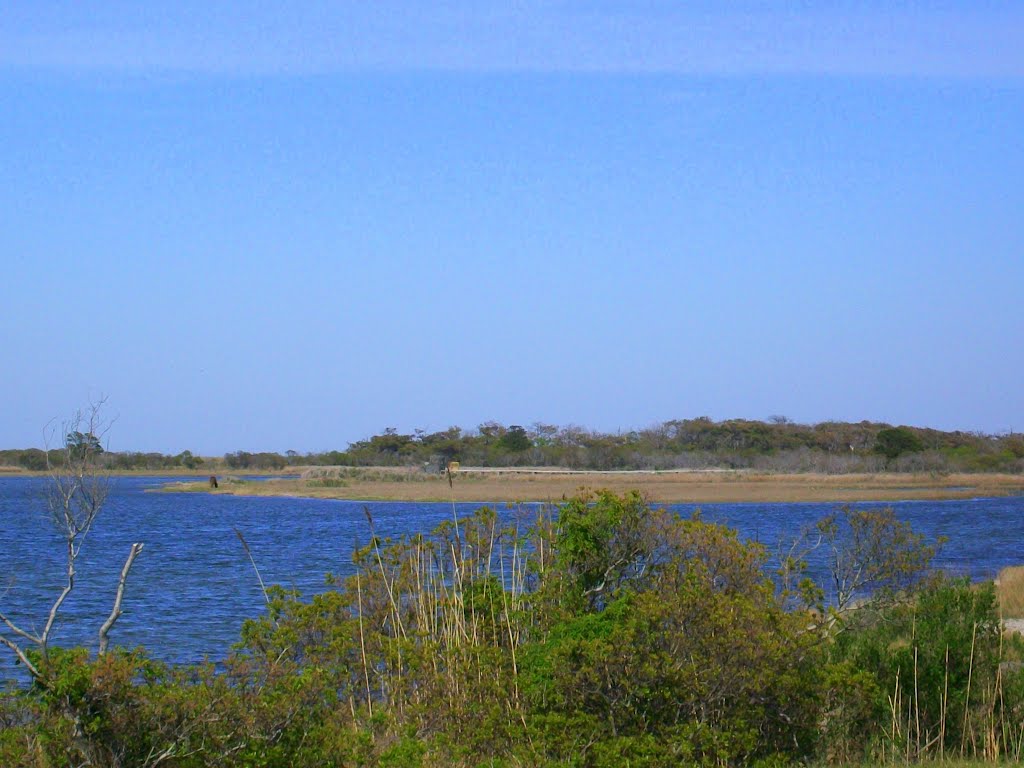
[668, 487]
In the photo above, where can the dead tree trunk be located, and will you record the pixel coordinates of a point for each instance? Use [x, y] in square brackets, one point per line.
[77, 490]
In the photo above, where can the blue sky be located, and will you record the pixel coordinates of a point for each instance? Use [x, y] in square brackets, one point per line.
[272, 226]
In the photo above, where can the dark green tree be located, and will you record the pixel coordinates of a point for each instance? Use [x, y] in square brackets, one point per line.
[82, 445]
[895, 441]
[515, 439]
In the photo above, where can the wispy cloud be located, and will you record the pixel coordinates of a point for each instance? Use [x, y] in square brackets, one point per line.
[958, 40]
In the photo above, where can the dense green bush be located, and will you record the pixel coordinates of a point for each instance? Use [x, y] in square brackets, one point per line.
[930, 669]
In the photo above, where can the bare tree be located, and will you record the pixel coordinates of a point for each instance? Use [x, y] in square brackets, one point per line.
[871, 551]
[76, 492]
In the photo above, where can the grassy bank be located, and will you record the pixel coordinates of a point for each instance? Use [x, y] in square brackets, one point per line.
[387, 484]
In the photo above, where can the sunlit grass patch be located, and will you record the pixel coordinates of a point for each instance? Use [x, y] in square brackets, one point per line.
[327, 482]
[1010, 592]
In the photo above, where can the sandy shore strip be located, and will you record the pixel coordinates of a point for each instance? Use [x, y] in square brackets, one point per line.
[545, 484]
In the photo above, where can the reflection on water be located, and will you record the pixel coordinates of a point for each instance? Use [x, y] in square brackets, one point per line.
[193, 586]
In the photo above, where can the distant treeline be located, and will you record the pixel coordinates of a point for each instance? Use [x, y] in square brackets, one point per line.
[774, 445]
[778, 444]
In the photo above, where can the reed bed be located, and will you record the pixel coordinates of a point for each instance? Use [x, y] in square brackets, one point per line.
[1010, 591]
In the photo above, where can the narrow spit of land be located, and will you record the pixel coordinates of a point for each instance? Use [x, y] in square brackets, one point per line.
[706, 486]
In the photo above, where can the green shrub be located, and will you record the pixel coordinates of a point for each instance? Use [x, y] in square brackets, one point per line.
[935, 661]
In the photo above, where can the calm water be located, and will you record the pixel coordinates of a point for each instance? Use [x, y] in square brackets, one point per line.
[193, 585]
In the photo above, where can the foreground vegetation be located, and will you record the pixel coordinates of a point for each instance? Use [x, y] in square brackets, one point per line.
[606, 632]
[778, 445]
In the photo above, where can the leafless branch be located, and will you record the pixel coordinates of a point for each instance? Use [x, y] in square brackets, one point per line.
[22, 657]
[69, 584]
[115, 613]
[245, 546]
[792, 558]
[77, 489]
[18, 630]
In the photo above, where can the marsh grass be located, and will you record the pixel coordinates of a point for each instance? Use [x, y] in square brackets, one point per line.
[415, 484]
[992, 731]
[1010, 592]
[936, 763]
[446, 617]
[367, 475]
[327, 482]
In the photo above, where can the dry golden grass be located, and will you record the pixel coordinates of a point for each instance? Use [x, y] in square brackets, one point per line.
[668, 487]
[1010, 592]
